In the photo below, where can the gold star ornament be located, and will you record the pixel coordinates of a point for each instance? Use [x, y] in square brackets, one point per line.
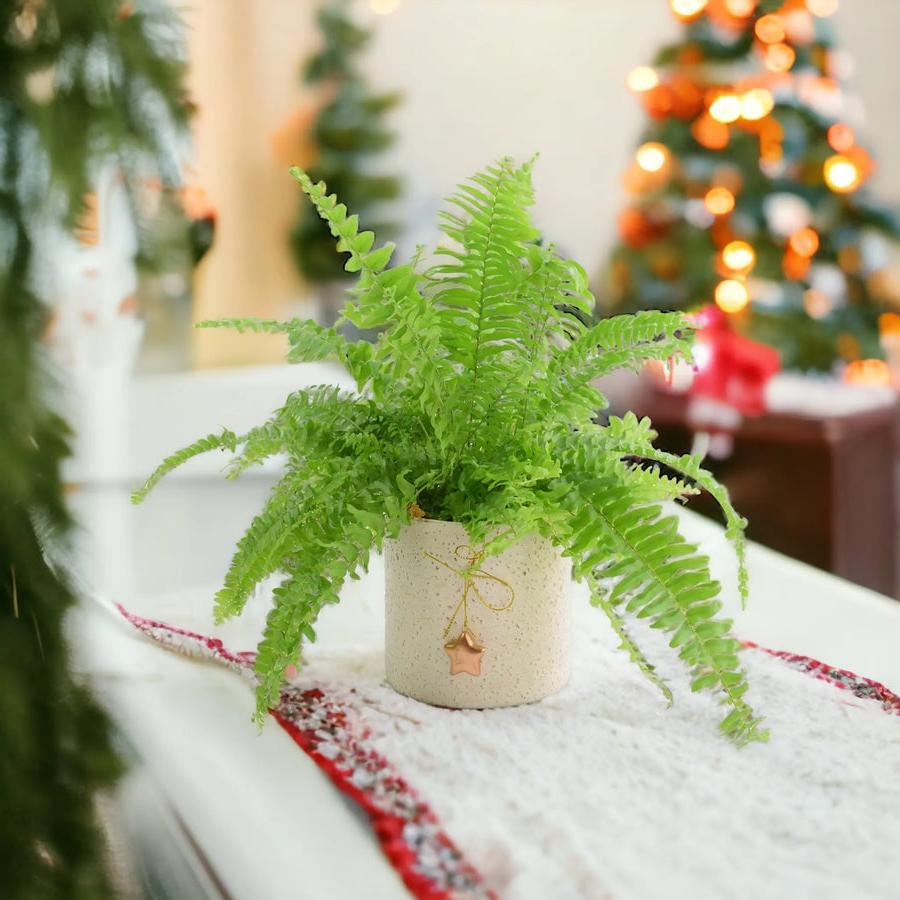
[465, 654]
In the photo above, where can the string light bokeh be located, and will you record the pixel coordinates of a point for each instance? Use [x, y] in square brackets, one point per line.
[384, 7]
[795, 68]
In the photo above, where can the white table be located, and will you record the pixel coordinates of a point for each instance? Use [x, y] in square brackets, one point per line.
[265, 821]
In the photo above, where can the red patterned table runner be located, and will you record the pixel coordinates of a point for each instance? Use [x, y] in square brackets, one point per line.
[335, 735]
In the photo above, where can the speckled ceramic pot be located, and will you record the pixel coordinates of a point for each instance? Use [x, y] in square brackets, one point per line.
[504, 631]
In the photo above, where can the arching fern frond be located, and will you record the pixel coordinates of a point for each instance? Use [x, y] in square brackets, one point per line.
[226, 440]
[555, 302]
[343, 525]
[628, 437]
[308, 342]
[249, 324]
[658, 575]
[614, 343]
[265, 543]
[600, 599]
[355, 243]
[297, 602]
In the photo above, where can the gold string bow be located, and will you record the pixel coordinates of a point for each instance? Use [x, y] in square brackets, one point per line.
[470, 575]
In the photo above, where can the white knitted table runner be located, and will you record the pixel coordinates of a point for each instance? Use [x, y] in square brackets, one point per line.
[602, 791]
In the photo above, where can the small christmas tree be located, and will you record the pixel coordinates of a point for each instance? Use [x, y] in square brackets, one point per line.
[348, 131]
[82, 82]
[747, 184]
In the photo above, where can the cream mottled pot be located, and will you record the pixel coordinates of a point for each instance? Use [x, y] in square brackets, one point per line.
[517, 634]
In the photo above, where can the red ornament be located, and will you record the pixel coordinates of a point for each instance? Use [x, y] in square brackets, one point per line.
[730, 368]
[638, 230]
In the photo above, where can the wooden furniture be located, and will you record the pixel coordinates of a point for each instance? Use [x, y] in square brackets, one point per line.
[822, 490]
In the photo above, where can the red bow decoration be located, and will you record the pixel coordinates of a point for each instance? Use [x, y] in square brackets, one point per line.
[730, 368]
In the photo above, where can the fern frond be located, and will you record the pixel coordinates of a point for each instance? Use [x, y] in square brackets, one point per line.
[651, 485]
[476, 288]
[297, 602]
[308, 342]
[350, 240]
[348, 519]
[555, 299]
[258, 445]
[658, 575]
[595, 452]
[625, 441]
[409, 366]
[312, 420]
[226, 440]
[614, 343]
[600, 599]
[379, 288]
[249, 324]
[264, 545]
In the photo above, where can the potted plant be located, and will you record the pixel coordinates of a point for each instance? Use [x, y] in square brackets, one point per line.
[471, 446]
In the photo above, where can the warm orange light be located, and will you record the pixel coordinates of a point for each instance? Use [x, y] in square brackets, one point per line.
[756, 104]
[800, 27]
[822, 7]
[688, 9]
[817, 304]
[719, 201]
[842, 175]
[771, 135]
[642, 78]
[867, 372]
[738, 256]
[794, 265]
[726, 108]
[770, 30]
[804, 242]
[712, 134]
[740, 8]
[889, 324]
[731, 295]
[779, 58]
[841, 137]
[652, 157]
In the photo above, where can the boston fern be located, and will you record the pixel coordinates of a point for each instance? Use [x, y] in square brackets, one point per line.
[477, 405]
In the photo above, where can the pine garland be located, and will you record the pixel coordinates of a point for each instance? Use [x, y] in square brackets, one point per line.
[74, 75]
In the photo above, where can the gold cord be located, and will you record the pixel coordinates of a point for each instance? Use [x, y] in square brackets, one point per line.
[469, 575]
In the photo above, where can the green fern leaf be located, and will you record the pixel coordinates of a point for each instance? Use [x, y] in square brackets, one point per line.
[690, 467]
[476, 289]
[600, 598]
[356, 244]
[250, 324]
[227, 440]
[350, 516]
[657, 575]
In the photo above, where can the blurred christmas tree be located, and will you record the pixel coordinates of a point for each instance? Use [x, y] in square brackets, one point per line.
[347, 132]
[747, 184]
[83, 84]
